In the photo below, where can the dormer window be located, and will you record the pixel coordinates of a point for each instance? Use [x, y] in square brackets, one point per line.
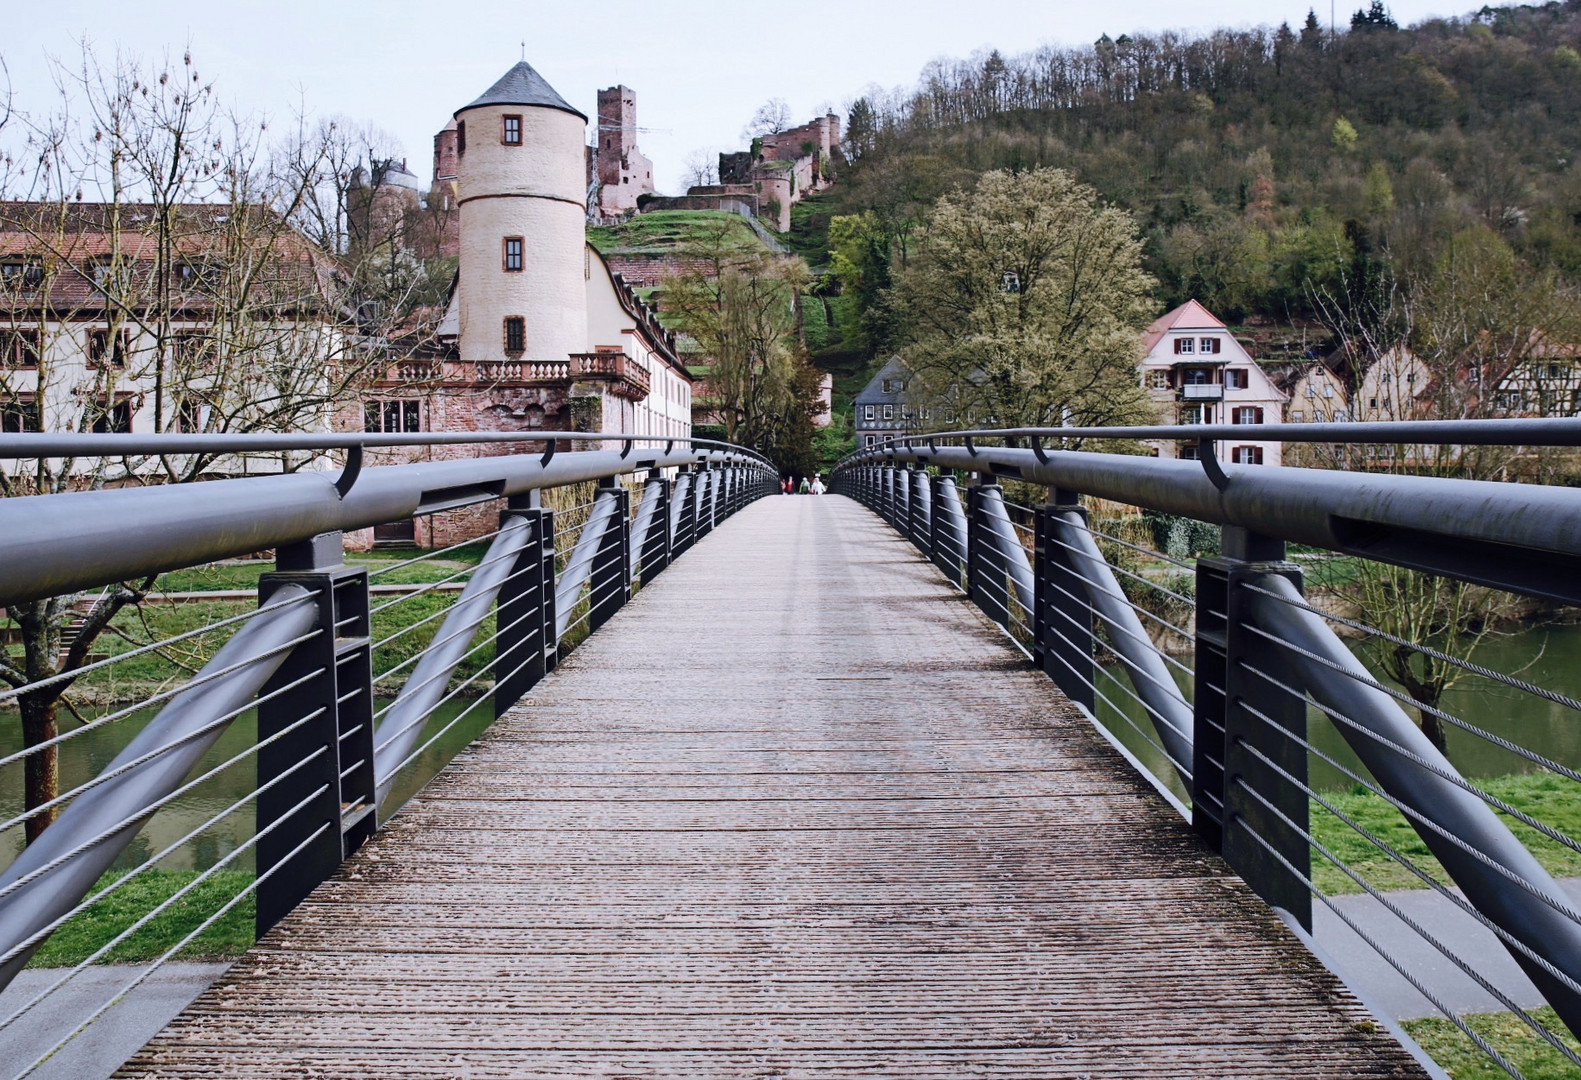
[511, 129]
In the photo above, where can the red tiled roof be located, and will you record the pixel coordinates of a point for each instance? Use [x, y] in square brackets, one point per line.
[1188, 316]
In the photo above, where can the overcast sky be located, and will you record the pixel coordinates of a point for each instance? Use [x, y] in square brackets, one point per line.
[699, 69]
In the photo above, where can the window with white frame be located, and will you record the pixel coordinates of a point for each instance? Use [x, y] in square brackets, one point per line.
[1247, 455]
[889, 412]
[1159, 380]
[1185, 346]
[392, 416]
[1237, 378]
[868, 412]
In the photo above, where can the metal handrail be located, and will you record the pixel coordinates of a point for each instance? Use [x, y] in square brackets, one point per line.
[1510, 536]
[68, 542]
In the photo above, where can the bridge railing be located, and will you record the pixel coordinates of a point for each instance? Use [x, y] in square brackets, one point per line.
[264, 747]
[1225, 679]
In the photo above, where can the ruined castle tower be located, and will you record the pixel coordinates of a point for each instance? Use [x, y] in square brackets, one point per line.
[520, 184]
[623, 172]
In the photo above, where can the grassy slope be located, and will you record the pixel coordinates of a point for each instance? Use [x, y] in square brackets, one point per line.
[665, 230]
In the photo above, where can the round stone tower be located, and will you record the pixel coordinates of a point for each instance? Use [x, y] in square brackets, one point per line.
[521, 190]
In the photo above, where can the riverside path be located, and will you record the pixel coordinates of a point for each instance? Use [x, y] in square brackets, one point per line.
[798, 811]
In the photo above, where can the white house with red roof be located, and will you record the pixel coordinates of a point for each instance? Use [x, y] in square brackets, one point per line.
[1195, 372]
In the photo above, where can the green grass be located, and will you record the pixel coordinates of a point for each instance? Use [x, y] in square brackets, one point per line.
[665, 230]
[1462, 1059]
[243, 574]
[102, 920]
[809, 229]
[1548, 798]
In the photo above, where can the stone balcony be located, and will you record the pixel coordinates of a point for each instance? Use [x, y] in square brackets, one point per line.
[626, 377]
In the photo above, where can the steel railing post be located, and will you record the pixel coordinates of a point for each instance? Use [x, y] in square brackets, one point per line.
[703, 502]
[524, 651]
[656, 541]
[1064, 626]
[922, 510]
[984, 566]
[315, 777]
[609, 584]
[677, 503]
[948, 538]
[1231, 739]
[902, 519]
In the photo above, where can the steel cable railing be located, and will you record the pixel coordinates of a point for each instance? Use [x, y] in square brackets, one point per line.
[1244, 641]
[322, 596]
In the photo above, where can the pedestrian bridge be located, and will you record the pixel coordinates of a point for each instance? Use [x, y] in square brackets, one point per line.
[823, 797]
[799, 810]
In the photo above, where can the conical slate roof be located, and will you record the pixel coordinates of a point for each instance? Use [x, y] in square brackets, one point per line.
[521, 85]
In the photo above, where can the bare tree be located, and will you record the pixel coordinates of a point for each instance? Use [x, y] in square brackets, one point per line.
[154, 274]
[701, 167]
[771, 118]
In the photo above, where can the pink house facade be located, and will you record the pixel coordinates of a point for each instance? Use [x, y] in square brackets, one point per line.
[1196, 373]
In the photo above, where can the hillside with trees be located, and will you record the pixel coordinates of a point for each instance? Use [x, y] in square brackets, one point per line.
[1375, 185]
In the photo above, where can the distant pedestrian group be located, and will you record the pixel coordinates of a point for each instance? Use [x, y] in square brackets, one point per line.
[812, 486]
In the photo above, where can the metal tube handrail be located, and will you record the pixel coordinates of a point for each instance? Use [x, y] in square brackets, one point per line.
[63, 543]
[1505, 431]
[73, 445]
[1503, 535]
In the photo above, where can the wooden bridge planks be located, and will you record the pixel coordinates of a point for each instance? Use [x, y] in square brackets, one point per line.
[799, 811]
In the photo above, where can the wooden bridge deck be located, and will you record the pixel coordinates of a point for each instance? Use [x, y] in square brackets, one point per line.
[798, 811]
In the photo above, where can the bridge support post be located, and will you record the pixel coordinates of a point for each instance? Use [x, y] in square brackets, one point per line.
[1237, 797]
[902, 521]
[946, 539]
[316, 801]
[525, 649]
[683, 519]
[985, 569]
[609, 583]
[1063, 624]
[703, 484]
[921, 524]
[656, 541]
